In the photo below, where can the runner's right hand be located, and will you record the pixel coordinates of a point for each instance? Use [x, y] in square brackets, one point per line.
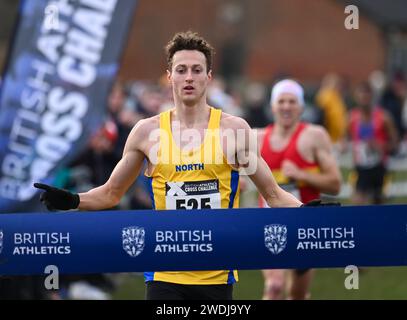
[57, 199]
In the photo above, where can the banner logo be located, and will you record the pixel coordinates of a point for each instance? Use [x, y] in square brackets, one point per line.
[275, 237]
[133, 240]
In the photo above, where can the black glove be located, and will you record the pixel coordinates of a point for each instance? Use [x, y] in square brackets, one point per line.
[57, 199]
[319, 203]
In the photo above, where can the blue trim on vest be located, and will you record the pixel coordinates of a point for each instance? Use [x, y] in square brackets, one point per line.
[234, 183]
[231, 277]
[150, 189]
[149, 276]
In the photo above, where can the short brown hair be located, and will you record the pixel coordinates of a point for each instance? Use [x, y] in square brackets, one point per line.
[189, 41]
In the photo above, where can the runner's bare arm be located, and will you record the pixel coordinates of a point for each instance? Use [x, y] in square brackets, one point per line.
[268, 187]
[328, 180]
[124, 174]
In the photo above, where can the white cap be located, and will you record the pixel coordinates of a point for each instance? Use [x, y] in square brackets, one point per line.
[287, 86]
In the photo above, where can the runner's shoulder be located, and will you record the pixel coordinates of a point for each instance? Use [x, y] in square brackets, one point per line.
[317, 134]
[145, 127]
[316, 131]
[229, 121]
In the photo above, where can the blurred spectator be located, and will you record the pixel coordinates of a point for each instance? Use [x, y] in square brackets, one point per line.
[140, 198]
[218, 98]
[166, 90]
[330, 99]
[98, 158]
[256, 104]
[312, 114]
[373, 136]
[116, 98]
[377, 81]
[394, 100]
[145, 100]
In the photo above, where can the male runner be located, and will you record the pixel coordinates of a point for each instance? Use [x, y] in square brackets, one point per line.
[301, 159]
[374, 136]
[183, 155]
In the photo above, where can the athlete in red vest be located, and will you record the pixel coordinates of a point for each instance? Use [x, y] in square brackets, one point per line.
[373, 136]
[301, 159]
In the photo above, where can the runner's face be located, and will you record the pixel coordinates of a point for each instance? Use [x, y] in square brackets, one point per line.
[286, 110]
[188, 76]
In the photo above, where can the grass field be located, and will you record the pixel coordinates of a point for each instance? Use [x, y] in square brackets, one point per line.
[374, 283]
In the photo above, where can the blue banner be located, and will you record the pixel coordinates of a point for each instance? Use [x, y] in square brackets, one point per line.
[62, 64]
[130, 241]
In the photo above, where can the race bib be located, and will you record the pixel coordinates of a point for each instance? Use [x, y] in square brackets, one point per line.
[192, 195]
[365, 156]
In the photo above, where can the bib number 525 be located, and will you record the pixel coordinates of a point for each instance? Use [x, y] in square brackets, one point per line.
[202, 203]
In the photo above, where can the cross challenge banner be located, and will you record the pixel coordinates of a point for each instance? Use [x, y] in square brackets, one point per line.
[219, 239]
[61, 66]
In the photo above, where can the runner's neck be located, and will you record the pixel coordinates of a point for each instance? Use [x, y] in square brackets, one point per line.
[285, 132]
[190, 116]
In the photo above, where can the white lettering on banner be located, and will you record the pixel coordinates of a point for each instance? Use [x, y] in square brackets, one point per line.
[183, 235]
[325, 238]
[31, 98]
[83, 47]
[92, 21]
[183, 241]
[50, 118]
[102, 5]
[82, 76]
[72, 101]
[41, 243]
[48, 46]
[63, 6]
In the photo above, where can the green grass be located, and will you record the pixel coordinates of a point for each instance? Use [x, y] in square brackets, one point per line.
[374, 283]
[131, 288]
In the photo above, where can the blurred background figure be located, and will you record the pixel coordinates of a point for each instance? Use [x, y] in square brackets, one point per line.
[301, 159]
[256, 105]
[373, 136]
[394, 101]
[330, 99]
[219, 98]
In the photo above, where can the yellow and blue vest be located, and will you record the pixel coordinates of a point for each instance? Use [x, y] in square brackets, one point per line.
[197, 179]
